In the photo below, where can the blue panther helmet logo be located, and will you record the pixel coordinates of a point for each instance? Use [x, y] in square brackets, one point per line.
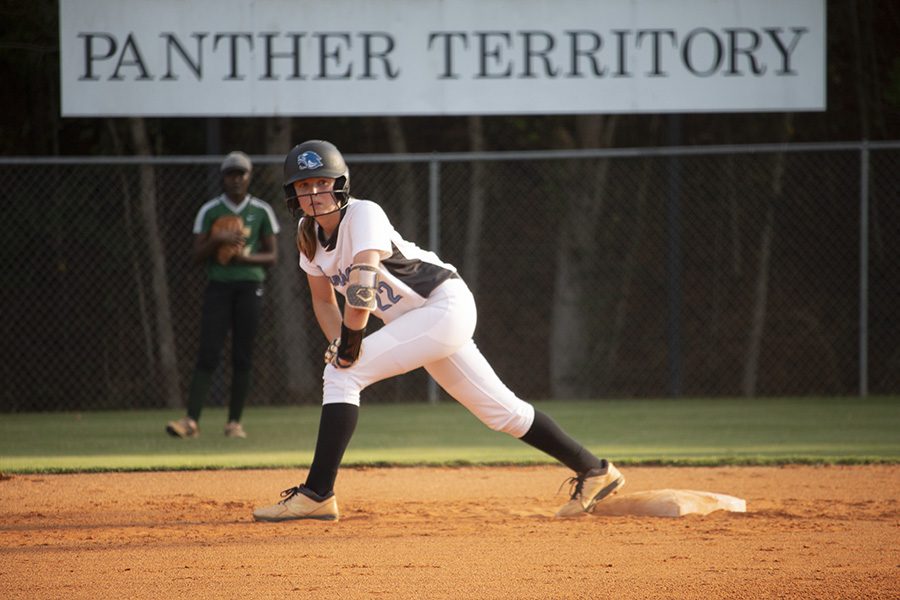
[309, 160]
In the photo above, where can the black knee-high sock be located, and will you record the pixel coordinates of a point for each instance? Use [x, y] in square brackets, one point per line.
[548, 437]
[336, 427]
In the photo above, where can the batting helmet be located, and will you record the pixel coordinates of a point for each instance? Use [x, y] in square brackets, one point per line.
[315, 158]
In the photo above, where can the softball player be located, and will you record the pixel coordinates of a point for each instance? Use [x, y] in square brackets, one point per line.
[235, 293]
[349, 246]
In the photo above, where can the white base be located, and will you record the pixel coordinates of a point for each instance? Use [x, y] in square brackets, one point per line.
[668, 503]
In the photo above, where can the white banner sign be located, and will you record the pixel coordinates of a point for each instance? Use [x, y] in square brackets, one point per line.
[439, 57]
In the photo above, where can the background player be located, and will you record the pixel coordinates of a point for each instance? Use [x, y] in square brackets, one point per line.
[349, 246]
[234, 293]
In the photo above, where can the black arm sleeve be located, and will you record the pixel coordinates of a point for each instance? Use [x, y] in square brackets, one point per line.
[351, 344]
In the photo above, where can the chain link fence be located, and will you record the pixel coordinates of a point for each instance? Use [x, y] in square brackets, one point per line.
[726, 271]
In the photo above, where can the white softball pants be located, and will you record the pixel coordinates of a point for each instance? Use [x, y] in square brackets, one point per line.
[438, 337]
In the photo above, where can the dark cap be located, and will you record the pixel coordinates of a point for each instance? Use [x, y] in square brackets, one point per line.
[237, 161]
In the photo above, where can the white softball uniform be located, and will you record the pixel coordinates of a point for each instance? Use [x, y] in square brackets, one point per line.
[429, 315]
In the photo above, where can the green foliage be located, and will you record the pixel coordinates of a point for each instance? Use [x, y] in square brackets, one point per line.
[653, 432]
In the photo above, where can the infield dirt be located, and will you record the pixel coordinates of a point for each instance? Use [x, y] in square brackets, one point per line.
[460, 533]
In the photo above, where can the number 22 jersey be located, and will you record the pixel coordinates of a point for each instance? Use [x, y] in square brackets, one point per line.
[407, 274]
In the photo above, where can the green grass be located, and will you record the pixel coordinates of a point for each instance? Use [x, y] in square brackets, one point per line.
[683, 432]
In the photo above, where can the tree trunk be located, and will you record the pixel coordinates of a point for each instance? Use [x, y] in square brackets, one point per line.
[576, 252]
[136, 269]
[761, 296]
[288, 285]
[472, 254]
[606, 349]
[165, 332]
[410, 225]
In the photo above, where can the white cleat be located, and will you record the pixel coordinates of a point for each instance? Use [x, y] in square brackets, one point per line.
[590, 488]
[300, 503]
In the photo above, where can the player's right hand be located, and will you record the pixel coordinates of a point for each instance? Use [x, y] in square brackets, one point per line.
[332, 351]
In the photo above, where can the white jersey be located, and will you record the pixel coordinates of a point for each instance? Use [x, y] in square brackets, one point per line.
[407, 274]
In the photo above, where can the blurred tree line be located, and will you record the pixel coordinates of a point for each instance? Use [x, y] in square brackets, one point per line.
[613, 210]
[863, 103]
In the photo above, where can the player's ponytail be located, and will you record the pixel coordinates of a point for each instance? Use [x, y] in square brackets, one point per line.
[306, 237]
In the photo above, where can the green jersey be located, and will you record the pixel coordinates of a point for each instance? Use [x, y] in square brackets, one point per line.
[259, 222]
